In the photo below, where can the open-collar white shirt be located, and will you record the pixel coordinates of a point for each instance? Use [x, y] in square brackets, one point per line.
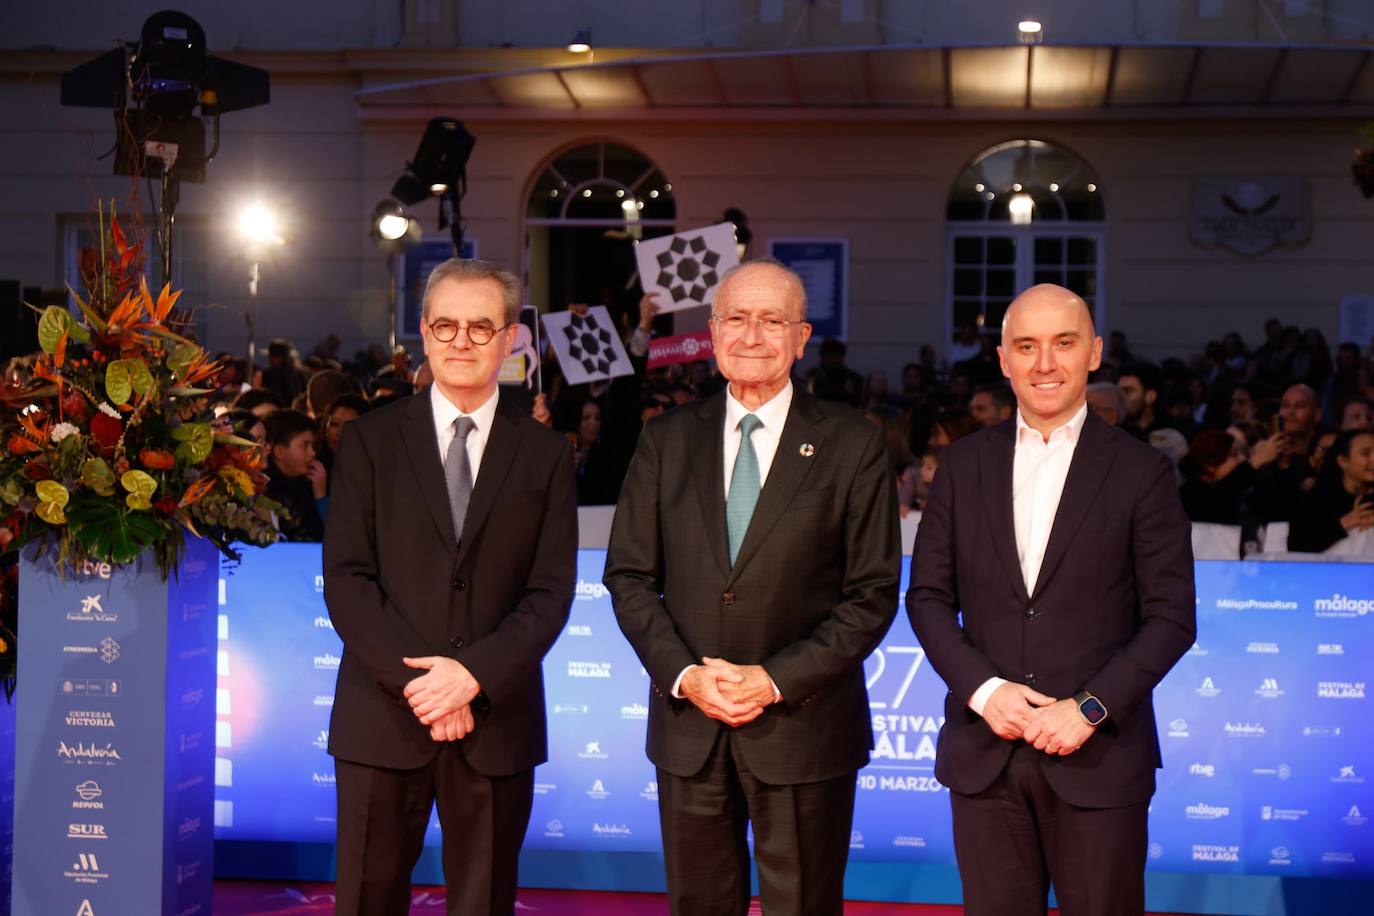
[1039, 470]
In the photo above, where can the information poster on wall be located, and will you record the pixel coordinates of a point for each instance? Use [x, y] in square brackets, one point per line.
[413, 267]
[823, 265]
[1357, 320]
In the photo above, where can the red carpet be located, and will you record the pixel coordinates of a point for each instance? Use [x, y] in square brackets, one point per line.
[251, 898]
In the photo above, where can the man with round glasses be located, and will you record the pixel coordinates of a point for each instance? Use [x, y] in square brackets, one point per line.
[449, 560]
[753, 565]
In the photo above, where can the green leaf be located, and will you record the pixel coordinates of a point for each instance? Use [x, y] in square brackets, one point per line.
[55, 320]
[75, 329]
[50, 327]
[52, 499]
[96, 474]
[139, 376]
[119, 385]
[141, 487]
[11, 492]
[197, 439]
[106, 531]
[182, 357]
[91, 315]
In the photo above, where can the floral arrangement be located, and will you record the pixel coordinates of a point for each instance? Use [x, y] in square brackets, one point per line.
[112, 449]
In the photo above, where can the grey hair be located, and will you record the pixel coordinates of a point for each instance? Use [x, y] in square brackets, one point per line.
[1111, 390]
[472, 269]
[790, 276]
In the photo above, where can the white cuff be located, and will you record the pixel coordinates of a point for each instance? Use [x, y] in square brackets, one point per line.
[676, 692]
[777, 694]
[981, 695]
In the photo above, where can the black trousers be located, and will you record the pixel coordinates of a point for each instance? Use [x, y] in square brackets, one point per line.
[383, 815]
[1017, 837]
[801, 839]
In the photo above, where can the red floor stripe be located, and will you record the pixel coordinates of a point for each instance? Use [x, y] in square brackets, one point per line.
[252, 898]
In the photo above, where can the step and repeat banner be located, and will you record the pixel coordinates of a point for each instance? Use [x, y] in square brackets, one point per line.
[1268, 744]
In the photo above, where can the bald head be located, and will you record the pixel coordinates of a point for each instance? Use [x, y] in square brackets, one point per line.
[1048, 348]
[789, 282]
[1048, 298]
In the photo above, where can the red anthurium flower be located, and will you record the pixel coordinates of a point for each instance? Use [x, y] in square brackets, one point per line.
[156, 459]
[106, 429]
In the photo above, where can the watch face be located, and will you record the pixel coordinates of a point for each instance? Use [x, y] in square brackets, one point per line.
[1093, 710]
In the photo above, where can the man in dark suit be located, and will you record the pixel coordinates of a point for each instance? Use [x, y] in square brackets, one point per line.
[449, 562]
[1063, 542]
[754, 564]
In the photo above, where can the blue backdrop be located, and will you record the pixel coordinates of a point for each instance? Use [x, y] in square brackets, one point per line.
[1266, 736]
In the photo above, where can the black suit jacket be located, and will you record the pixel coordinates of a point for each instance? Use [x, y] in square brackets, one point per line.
[398, 584]
[1112, 612]
[810, 596]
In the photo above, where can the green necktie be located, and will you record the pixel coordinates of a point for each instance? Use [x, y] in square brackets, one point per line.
[744, 486]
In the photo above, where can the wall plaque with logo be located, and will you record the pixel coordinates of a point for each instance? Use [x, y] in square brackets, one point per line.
[1251, 214]
[115, 737]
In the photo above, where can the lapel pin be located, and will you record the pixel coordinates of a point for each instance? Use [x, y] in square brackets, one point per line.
[807, 450]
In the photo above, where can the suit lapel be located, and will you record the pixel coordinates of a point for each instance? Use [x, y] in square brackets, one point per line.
[422, 449]
[785, 475]
[995, 473]
[706, 453]
[1087, 472]
[497, 458]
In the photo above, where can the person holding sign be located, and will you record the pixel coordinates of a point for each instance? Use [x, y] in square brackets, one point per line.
[753, 565]
[449, 569]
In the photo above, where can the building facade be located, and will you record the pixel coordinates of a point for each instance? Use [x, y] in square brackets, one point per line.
[1217, 137]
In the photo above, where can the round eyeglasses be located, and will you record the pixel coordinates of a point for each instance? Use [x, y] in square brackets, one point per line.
[479, 332]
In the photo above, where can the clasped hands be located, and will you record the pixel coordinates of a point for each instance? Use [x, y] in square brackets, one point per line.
[441, 698]
[730, 693]
[1015, 712]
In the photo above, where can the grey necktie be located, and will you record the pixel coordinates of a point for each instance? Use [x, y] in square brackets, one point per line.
[744, 486]
[458, 473]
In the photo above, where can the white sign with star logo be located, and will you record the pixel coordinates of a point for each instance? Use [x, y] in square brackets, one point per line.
[686, 268]
[588, 347]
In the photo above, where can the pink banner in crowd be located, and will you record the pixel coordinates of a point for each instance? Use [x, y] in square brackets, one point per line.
[684, 348]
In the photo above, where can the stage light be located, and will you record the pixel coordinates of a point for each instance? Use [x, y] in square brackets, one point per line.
[155, 87]
[1020, 207]
[1092, 188]
[1030, 31]
[627, 205]
[440, 163]
[582, 42]
[980, 187]
[257, 224]
[1054, 186]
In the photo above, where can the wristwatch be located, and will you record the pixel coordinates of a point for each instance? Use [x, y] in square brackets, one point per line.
[1090, 707]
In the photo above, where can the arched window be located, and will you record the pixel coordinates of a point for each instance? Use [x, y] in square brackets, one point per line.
[602, 182]
[1023, 212]
[585, 211]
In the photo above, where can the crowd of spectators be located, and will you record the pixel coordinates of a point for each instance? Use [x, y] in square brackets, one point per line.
[1283, 432]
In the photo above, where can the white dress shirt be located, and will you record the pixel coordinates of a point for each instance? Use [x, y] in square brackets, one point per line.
[445, 412]
[1039, 469]
[772, 417]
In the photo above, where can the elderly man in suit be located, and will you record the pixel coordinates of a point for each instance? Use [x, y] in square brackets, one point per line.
[754, 564]
[1062, 540]
[449, 562]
